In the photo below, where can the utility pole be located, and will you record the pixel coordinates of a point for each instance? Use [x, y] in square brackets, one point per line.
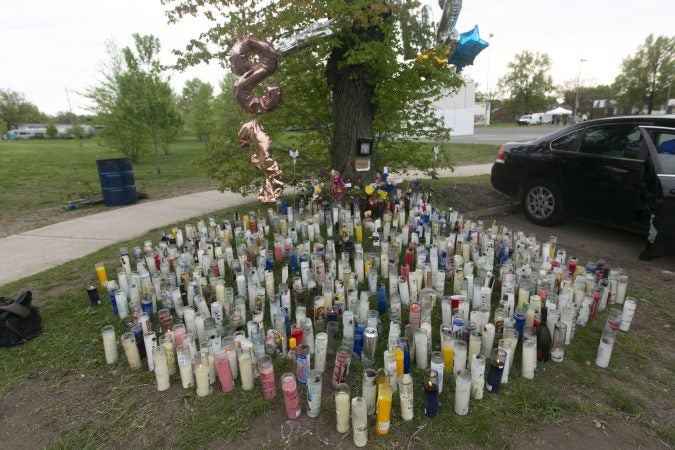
[576, 96]
[488, 103]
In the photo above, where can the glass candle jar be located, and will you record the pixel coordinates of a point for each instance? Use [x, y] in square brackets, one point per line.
[359, 422]
[558, 345]
[459, 359]
[223, 370]
[342, 403]
[462, 392]
[320, 349]
[369, 390]
[605, 348]
[184, 360]
[109, 344]
[245, 370]
[267, 380]
[166, 341]
[497, 363]
[529, 356]
[314, 388]
[405, 388]
[430, 393]
[290, 391]
[629, 307]
[438, 365]
[161, 368]
[383, 417]
[341, 366]
[131, 350]
[202, 375]
[478, 376]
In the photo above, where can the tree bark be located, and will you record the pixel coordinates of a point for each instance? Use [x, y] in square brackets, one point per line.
[353, 89]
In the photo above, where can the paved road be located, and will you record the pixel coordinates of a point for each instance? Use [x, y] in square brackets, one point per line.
[498, 136]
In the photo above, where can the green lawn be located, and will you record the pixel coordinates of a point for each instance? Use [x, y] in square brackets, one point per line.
[39, 177]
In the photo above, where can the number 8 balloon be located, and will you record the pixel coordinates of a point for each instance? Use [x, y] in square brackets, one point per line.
[252, 132]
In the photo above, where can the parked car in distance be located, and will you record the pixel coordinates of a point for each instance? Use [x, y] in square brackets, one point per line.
[535, 119]
[611, 170]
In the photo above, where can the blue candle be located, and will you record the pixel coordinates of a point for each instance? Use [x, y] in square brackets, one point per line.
[494, 381]
[430, 393]
[381, 300]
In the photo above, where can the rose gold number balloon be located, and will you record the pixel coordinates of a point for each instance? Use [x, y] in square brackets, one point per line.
[252, 132]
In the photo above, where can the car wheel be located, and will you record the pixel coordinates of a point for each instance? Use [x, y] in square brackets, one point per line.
[543, 202]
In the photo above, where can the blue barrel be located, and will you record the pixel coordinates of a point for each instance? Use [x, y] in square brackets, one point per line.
[117, 181]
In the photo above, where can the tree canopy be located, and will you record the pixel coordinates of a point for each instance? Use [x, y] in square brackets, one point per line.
[15, 109]
[357, 83]
[527, 84]
[135, 105]
[646, 77]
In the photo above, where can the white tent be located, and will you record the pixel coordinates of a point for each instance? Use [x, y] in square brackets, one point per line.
[559, 111]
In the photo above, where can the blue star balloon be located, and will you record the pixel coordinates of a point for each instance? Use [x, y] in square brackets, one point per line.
[469, 46]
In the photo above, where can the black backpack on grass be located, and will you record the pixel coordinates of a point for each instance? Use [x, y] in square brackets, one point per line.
[19, 320]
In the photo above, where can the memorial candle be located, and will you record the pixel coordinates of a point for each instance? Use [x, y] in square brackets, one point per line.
[109, 344]
[383, 417]
[629, 307]
[246, 370]
[369, 390]
[459, 360]
[605, 349]
[166, 341]
[478, 376]
[185, 365]
[224, 372]
[314, 388]
[161, 368]
[430, 393]
[421, 356]
[462, 392]
[497, 363]
[359, 422]
[101, 274]
[267, 380]
[202, 375]
[342, 403]
[290, 391]
[131, 350]
[558, 345]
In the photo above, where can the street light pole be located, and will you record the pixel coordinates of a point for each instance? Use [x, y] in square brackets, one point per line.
[488, 104]
[576, 95]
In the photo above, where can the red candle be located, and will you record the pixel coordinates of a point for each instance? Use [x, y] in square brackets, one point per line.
[296, 332]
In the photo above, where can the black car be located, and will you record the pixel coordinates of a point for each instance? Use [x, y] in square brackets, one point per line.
[614, 170]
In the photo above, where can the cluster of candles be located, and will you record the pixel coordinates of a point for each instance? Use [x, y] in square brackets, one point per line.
[220, 302]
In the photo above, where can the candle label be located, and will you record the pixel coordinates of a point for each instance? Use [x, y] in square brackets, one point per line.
[557, 355]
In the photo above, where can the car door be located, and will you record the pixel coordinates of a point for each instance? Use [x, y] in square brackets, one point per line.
[661, 146]
[605, 172]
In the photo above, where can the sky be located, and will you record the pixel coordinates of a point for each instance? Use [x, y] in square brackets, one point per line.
[54, 50]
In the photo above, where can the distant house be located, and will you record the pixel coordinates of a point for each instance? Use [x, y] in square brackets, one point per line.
[457, 110]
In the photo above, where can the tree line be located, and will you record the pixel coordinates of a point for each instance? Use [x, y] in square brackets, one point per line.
[642, 86]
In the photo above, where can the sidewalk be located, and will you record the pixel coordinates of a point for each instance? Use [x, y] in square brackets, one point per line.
[37, 250]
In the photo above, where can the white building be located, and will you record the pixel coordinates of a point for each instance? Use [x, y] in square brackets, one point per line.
[457, 110]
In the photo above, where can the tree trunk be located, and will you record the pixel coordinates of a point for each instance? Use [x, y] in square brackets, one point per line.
[353, 89]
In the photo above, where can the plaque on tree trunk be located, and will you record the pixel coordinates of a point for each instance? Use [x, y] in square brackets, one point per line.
[362, 164]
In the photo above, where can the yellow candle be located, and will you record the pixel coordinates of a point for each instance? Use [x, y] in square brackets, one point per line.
[101, 274]
[131, 350]
[383, 408]
[358, 231]
[398, 355]
[448, 358]
[246, 221]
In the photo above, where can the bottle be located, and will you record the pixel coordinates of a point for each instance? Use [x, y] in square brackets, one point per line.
[290, 356]
[543, 338]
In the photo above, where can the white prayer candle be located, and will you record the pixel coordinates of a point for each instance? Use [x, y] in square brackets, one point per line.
[462, 392]
[459, 357]
[421, 346]
[202, 377]
[109, 344]
[149, 340]
[475, 342]
[629, 307]
[246, 370]
[529, 358]
[505, 345]
[605, 350]
[161, 368]
[487, 339]
[342, 403]
[131, 350]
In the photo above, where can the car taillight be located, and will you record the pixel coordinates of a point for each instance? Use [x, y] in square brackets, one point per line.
[501, 154]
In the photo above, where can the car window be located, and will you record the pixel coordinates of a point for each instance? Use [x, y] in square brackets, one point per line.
[565, 143]
[617, 141]
[664, 141]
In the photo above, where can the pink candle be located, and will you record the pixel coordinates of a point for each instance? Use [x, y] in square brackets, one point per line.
[267, 382]
[277, 252]
[290, 391]
[224, 372]
[179, 335]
